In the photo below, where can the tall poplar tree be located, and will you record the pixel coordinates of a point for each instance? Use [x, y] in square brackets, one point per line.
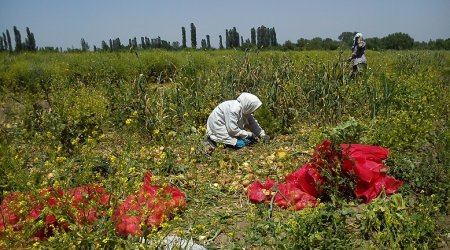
[220, 42]
[104, 46]
[143, 42]
[266, 37]
[273, 37]
[232, 38]
[227, 39]
[9, 41]
[116, 44]
[5, 41]
[84, 45]
[253, 36]
[183, 37]
[17, 39]
[193, 36]
[30, 42]
[134, 42]
[208, 42]
[203, 44]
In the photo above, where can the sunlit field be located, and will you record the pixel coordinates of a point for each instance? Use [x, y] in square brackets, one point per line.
[104, 120]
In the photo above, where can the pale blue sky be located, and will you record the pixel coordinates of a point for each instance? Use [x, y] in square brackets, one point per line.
[63, 23]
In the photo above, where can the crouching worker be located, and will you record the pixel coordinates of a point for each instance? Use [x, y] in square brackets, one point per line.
[232, 123]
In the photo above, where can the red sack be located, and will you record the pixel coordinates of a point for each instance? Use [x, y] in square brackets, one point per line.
[258, 191]
[305, 178]
[87, 200]
[302, 186]
[370, 152]
[370, 170]
[369, 191]
[291, 197]
[150, 206]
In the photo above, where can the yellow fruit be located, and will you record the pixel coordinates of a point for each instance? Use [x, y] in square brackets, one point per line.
[281, 154]
[249, 177]
[246, 182]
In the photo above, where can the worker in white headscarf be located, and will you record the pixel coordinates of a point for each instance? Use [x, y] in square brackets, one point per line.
[232, 123]
[358, 57]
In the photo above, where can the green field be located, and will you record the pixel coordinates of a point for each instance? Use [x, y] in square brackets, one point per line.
[71, 119]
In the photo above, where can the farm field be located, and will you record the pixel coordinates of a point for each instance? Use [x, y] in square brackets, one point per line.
[69, 120]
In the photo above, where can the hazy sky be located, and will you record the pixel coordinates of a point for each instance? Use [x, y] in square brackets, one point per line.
[63, 23]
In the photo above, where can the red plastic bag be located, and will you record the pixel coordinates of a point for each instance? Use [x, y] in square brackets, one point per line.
[302, 186]
[150, 206]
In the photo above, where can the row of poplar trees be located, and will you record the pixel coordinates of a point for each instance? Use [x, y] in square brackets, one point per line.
[28, 45]
[261, 37]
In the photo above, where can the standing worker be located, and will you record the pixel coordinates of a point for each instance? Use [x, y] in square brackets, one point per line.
[358, 57]
[232, 123]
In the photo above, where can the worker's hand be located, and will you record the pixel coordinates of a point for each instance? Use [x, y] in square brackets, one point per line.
[244, 142]
[250, 136]
[265, 138]
[239, 144]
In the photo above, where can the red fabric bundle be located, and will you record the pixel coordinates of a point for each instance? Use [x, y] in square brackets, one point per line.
[302, 186]
[305, 178]
[150, 206]
[88, 203]
[370, 170]
[287, 195]
[258, 191]
[290, 196]
[19, 207]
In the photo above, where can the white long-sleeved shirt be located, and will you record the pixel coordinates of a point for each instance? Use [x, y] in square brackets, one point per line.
[230, 119]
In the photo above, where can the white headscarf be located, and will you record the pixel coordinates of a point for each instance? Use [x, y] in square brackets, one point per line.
[354, 39]
[249, 103]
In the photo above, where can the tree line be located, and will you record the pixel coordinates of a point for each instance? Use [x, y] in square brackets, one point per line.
[28, 45]
[260, 38]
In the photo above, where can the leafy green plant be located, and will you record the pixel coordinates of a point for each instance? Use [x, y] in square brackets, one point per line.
[321, 227]
[347, 132]
[390, 223]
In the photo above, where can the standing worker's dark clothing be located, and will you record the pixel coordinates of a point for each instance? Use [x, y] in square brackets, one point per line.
[358, 53]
